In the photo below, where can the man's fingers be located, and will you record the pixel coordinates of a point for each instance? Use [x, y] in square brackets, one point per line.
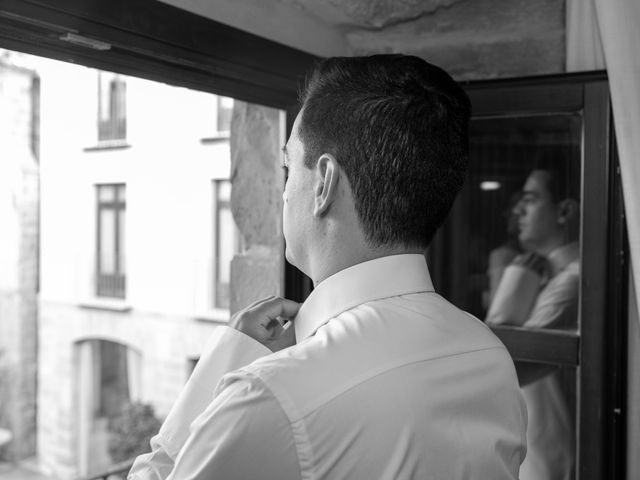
[279, 307]
[258, 302]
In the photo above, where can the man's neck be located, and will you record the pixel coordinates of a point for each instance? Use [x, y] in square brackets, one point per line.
[338, 259]
[563, 256]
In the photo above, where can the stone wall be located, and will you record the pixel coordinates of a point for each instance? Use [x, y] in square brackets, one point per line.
[18, 259]
[256, 202]
[471, 39]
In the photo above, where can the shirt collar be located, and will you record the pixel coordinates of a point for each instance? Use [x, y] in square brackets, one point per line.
[563, 256]
[372, 280]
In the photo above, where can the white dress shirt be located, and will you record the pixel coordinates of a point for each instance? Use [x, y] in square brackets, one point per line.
[526, 299]
[388, 380]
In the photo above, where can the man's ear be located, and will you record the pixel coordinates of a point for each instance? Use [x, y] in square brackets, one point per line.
[327, 173]
[568, 211]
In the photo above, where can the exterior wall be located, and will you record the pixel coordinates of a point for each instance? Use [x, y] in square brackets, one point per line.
[165, 344]
[166, 317]
[18, 260]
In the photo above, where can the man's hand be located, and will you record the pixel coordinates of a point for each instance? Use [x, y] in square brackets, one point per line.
[532, 261]
[263, 321]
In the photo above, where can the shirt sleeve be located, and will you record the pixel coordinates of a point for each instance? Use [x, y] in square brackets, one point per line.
[243, 434]
[557, 304]
[515, 296]
[227, 350]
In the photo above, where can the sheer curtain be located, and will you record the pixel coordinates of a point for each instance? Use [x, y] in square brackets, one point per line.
[605, 33]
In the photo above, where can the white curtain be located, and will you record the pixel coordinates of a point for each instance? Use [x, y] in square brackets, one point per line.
[606, 33]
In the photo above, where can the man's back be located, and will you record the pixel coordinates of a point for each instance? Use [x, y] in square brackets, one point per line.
[399, 386]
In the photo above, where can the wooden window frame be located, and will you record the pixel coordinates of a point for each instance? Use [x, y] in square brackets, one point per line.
[157, 41]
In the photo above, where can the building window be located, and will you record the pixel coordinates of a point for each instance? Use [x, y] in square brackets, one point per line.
[224, 109]
[226, 243]
[110, 254]
[112, 107]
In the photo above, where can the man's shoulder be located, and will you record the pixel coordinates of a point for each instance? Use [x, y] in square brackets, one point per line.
[377, 338]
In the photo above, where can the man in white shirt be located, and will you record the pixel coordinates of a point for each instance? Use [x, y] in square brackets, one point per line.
[540, 290]
[379, 377]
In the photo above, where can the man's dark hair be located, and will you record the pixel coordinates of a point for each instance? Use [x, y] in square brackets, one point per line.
[398, 126]
[563, 173]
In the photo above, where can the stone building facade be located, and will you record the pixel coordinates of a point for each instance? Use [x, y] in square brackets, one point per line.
[18, 257]
[170, 170]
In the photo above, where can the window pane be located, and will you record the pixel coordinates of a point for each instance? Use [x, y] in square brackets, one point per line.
[106, 193]
[112, 91]
[122, 197]
[225, 108]
[225, 243]
[551, 431]
[122, 242]
[107, 241]
[114, 381]
[513, 241]
[223, 188]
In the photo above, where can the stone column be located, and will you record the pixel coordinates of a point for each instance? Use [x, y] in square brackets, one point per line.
[257, 179]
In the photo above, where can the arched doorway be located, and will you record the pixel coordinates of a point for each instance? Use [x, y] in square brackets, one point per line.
[108, 378]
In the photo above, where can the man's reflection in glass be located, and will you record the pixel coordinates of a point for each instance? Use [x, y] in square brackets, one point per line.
[539, 289]
[502, 256]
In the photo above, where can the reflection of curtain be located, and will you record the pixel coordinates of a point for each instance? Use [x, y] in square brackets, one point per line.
[617, 23]
[133, 374]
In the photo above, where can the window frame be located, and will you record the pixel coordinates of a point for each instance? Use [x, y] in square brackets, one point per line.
[598, 350]
[156, 41]
[112, 124]
[112, 285]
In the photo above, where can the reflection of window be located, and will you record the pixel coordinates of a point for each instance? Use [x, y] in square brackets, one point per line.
[223, 114]
[226, 243]
[566, 337]
[110, 252]
[112, 115]
[504, 151]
